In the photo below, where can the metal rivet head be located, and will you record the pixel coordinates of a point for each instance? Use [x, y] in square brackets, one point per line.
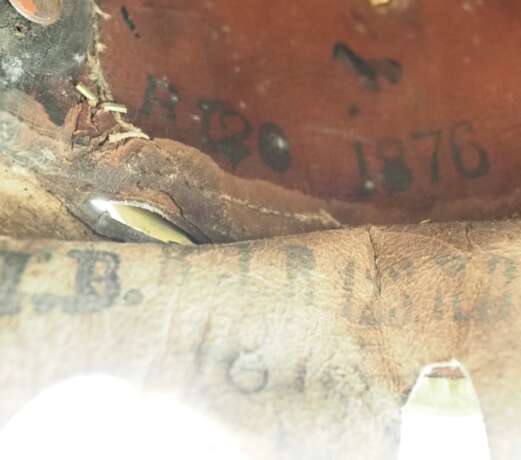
[44, 12]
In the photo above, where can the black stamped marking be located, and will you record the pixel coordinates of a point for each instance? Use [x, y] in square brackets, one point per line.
[459, 147]
[225, 130]
[369, 71]
[436, 136]
[397, 176]
[129, 22]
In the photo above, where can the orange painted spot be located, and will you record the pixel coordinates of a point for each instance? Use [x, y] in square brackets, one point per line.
[28, 6]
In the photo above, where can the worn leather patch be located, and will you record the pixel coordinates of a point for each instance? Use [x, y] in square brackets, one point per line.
[303, 347]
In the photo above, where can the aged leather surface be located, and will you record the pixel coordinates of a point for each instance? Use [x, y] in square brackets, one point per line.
[44, 62]
[306, 347]
[345, 115]
[390, 114]
[28, 210]
[185, 186]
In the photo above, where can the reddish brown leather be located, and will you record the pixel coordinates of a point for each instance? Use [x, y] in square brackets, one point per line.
[402, 76]
[346, 78]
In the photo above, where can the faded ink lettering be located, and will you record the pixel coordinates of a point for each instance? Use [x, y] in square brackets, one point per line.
[248, 373]
[349, 279]
[245, 257]
[96, 285]
[401, 309]
[133, 297]
[493, 302]
[368, 315]
[154, 93]
[300, 266]
[225, 131]
[452, 265]
[13, 267]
